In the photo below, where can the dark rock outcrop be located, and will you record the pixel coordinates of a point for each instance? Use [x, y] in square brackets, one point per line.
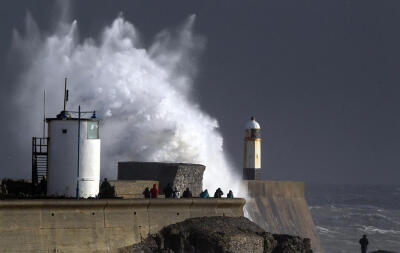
[219, 234]
[382, 251]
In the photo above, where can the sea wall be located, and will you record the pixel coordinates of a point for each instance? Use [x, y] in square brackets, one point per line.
[97, 225]
[280, 207]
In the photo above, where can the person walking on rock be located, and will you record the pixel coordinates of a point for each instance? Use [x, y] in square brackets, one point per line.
[218, 193]
[168, 191]
[230, 194]
[204, 194]
[364, 244]
[187, 193]
[154, 191]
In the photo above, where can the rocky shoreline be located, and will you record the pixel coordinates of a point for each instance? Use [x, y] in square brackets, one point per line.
[219, 234]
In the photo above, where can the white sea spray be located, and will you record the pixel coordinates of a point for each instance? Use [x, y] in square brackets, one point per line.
[143, 94]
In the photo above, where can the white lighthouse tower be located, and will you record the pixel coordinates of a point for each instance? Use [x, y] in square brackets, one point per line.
[73, 154]
[252, 151]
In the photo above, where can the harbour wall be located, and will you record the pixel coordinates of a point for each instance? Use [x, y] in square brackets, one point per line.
[97, 225]
[280, 207]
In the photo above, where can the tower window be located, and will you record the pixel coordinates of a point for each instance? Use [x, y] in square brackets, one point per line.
[64, 131]
[93, 130]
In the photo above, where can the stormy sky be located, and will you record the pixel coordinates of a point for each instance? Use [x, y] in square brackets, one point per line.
[321, 77]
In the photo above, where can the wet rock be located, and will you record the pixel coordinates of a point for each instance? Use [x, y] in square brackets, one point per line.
[220, 235]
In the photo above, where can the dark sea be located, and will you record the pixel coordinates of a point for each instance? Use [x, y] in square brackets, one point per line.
[343, 213]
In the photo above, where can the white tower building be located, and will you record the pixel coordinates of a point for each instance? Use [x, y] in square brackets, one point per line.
[252, 151]
[73, 156]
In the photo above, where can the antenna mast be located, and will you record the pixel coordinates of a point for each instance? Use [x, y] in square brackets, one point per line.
[44, 113]
[65, 94]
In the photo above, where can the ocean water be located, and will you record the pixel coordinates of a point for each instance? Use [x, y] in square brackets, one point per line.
[343, 213]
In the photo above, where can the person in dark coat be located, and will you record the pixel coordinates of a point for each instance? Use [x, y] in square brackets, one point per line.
[168, 191]
[106, 191]
[4, 188]
[175, 193]
[364, 244]
[154, 191]
[230, 194]
[187, 193]
[204, 194]
[146, 193]
[43, 186]
[218, 193]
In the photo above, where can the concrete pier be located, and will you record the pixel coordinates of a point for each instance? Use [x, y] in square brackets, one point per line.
[280, 207]
[97, 225]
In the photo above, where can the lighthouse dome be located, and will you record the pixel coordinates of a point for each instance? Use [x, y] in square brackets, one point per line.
[252, 124]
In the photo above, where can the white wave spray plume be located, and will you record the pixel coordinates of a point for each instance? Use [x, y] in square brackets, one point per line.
[142, 94]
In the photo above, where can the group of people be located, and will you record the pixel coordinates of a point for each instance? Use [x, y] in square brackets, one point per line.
[170, 192]
[218, 194]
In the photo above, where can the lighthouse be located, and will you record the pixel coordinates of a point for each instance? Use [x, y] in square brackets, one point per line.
[252, 151]
[73, 153]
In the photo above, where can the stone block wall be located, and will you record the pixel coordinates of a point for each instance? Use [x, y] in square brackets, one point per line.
[130, 189]
[181, 175]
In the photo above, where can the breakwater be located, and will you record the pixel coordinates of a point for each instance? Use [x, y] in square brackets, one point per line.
[97, 225]
[280, 207]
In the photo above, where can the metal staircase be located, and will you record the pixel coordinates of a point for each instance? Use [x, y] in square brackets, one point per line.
[39, 159]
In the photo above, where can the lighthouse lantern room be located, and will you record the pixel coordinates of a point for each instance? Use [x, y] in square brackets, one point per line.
[252, 151]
